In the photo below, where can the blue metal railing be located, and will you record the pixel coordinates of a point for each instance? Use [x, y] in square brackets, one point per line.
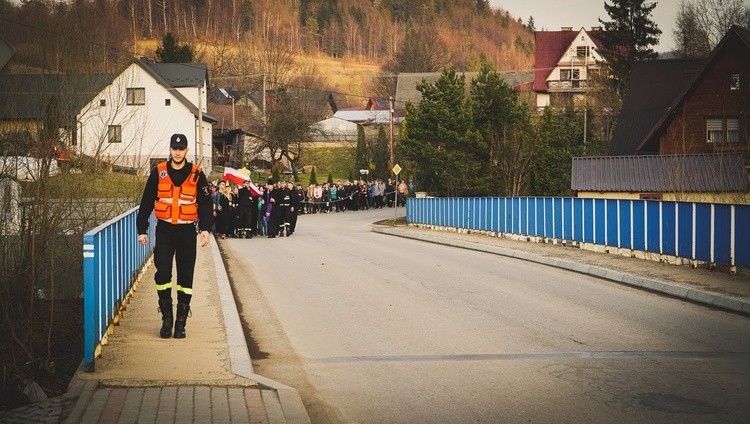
[707, 232]
[112, 261]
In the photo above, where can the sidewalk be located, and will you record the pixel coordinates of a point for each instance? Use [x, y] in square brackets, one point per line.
[713, 288]
[206, 377]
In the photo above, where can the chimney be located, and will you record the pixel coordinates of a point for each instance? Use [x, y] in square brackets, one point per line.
[567, 28]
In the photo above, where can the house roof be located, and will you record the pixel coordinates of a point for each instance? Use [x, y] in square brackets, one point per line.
[25, 97]
[172, 72]
[661, 173]
[180, 75]
[736, 32]
[406, 85]
[368, 117]
[652, 88]
[549, 47]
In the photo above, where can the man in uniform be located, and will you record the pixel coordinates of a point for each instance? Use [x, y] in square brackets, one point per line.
[178, 194]
[283, 198]
[248, 211]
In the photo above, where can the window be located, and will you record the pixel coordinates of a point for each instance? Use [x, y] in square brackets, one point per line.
[114, 134]
[582, 51]
[136, 96]
[734, 82]
[569, 74]
[715, 128]
[103, 102]
[733, 130]
[167, 102]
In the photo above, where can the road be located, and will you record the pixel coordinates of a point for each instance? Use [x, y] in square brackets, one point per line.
[377, 329]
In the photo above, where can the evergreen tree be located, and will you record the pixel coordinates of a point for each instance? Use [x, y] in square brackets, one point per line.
[440, 138]
[313, 178]
[275, 174]
[505, 126]
[531, 26]
[171, 51]
[380, 155]
[330, 178]
[247, 15]
[628, 37]
[560, 136]
[361, 160]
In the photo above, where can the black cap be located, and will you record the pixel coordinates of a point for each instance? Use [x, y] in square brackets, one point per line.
[178, 141]
[270, 181]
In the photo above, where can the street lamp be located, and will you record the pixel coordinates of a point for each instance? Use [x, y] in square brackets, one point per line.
[364, 172]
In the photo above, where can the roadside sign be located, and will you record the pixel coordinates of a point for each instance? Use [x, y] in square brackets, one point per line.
[396, 169]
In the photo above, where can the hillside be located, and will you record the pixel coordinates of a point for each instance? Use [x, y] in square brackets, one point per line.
[336, 44]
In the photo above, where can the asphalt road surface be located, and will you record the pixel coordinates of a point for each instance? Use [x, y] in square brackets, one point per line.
[371, 328]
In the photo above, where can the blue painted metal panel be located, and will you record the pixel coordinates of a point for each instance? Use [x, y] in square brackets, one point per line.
[578, 218]
[742, 235]
[548, 217]
[610, 228]
[703, 232]
[531, 217]
[600, 221]
[652, 229]
[568, 218]
[558, 218]
[523, 222]
[626, 224]
[588, 223]
[722, 233]
[685, 230]
[639, 225]
[668, 227]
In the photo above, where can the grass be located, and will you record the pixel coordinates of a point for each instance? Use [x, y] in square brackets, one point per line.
[108, 185]
[338, 161]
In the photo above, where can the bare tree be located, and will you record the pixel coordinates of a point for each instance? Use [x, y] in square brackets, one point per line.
[717, 16]
[690, 37]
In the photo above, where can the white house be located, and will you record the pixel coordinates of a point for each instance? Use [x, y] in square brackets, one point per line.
[129, 122]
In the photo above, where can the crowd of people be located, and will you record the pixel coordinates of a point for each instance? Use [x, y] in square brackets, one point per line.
[247, 211]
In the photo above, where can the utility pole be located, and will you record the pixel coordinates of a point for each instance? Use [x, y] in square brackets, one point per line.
[263, 99]
[200, 126]
[392, 160]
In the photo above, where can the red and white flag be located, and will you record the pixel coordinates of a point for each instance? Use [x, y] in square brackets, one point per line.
[239, 178]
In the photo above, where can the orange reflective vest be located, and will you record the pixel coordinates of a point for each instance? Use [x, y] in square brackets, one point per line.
[177, 205]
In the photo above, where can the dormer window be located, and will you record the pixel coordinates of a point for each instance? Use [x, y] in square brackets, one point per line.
[582, 51]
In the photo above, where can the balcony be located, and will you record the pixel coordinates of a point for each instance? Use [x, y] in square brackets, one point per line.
[575, 86]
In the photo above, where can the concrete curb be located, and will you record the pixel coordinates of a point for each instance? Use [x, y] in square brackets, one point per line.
[716, 300]
[239, 354]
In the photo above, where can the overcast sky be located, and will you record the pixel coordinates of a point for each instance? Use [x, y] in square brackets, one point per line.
[553, 14]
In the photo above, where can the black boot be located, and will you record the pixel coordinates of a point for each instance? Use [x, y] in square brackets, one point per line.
[167, 318]
[183, 309]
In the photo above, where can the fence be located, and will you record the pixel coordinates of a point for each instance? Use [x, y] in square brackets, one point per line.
[112, 262]
[707, 232]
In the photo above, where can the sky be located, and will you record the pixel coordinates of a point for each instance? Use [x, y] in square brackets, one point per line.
[554, 14]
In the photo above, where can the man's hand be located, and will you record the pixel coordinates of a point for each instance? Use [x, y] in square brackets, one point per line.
[204, 238]
[143, 239]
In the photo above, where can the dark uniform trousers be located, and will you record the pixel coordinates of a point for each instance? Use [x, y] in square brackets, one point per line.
[171, 239]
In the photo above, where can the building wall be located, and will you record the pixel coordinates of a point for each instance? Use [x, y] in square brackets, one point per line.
[713, 99]
[731, 198]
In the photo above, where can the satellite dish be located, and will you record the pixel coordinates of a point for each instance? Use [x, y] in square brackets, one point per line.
[6, 53]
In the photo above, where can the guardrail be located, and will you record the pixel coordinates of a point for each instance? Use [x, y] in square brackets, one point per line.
[112, 262]
[707, 232]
